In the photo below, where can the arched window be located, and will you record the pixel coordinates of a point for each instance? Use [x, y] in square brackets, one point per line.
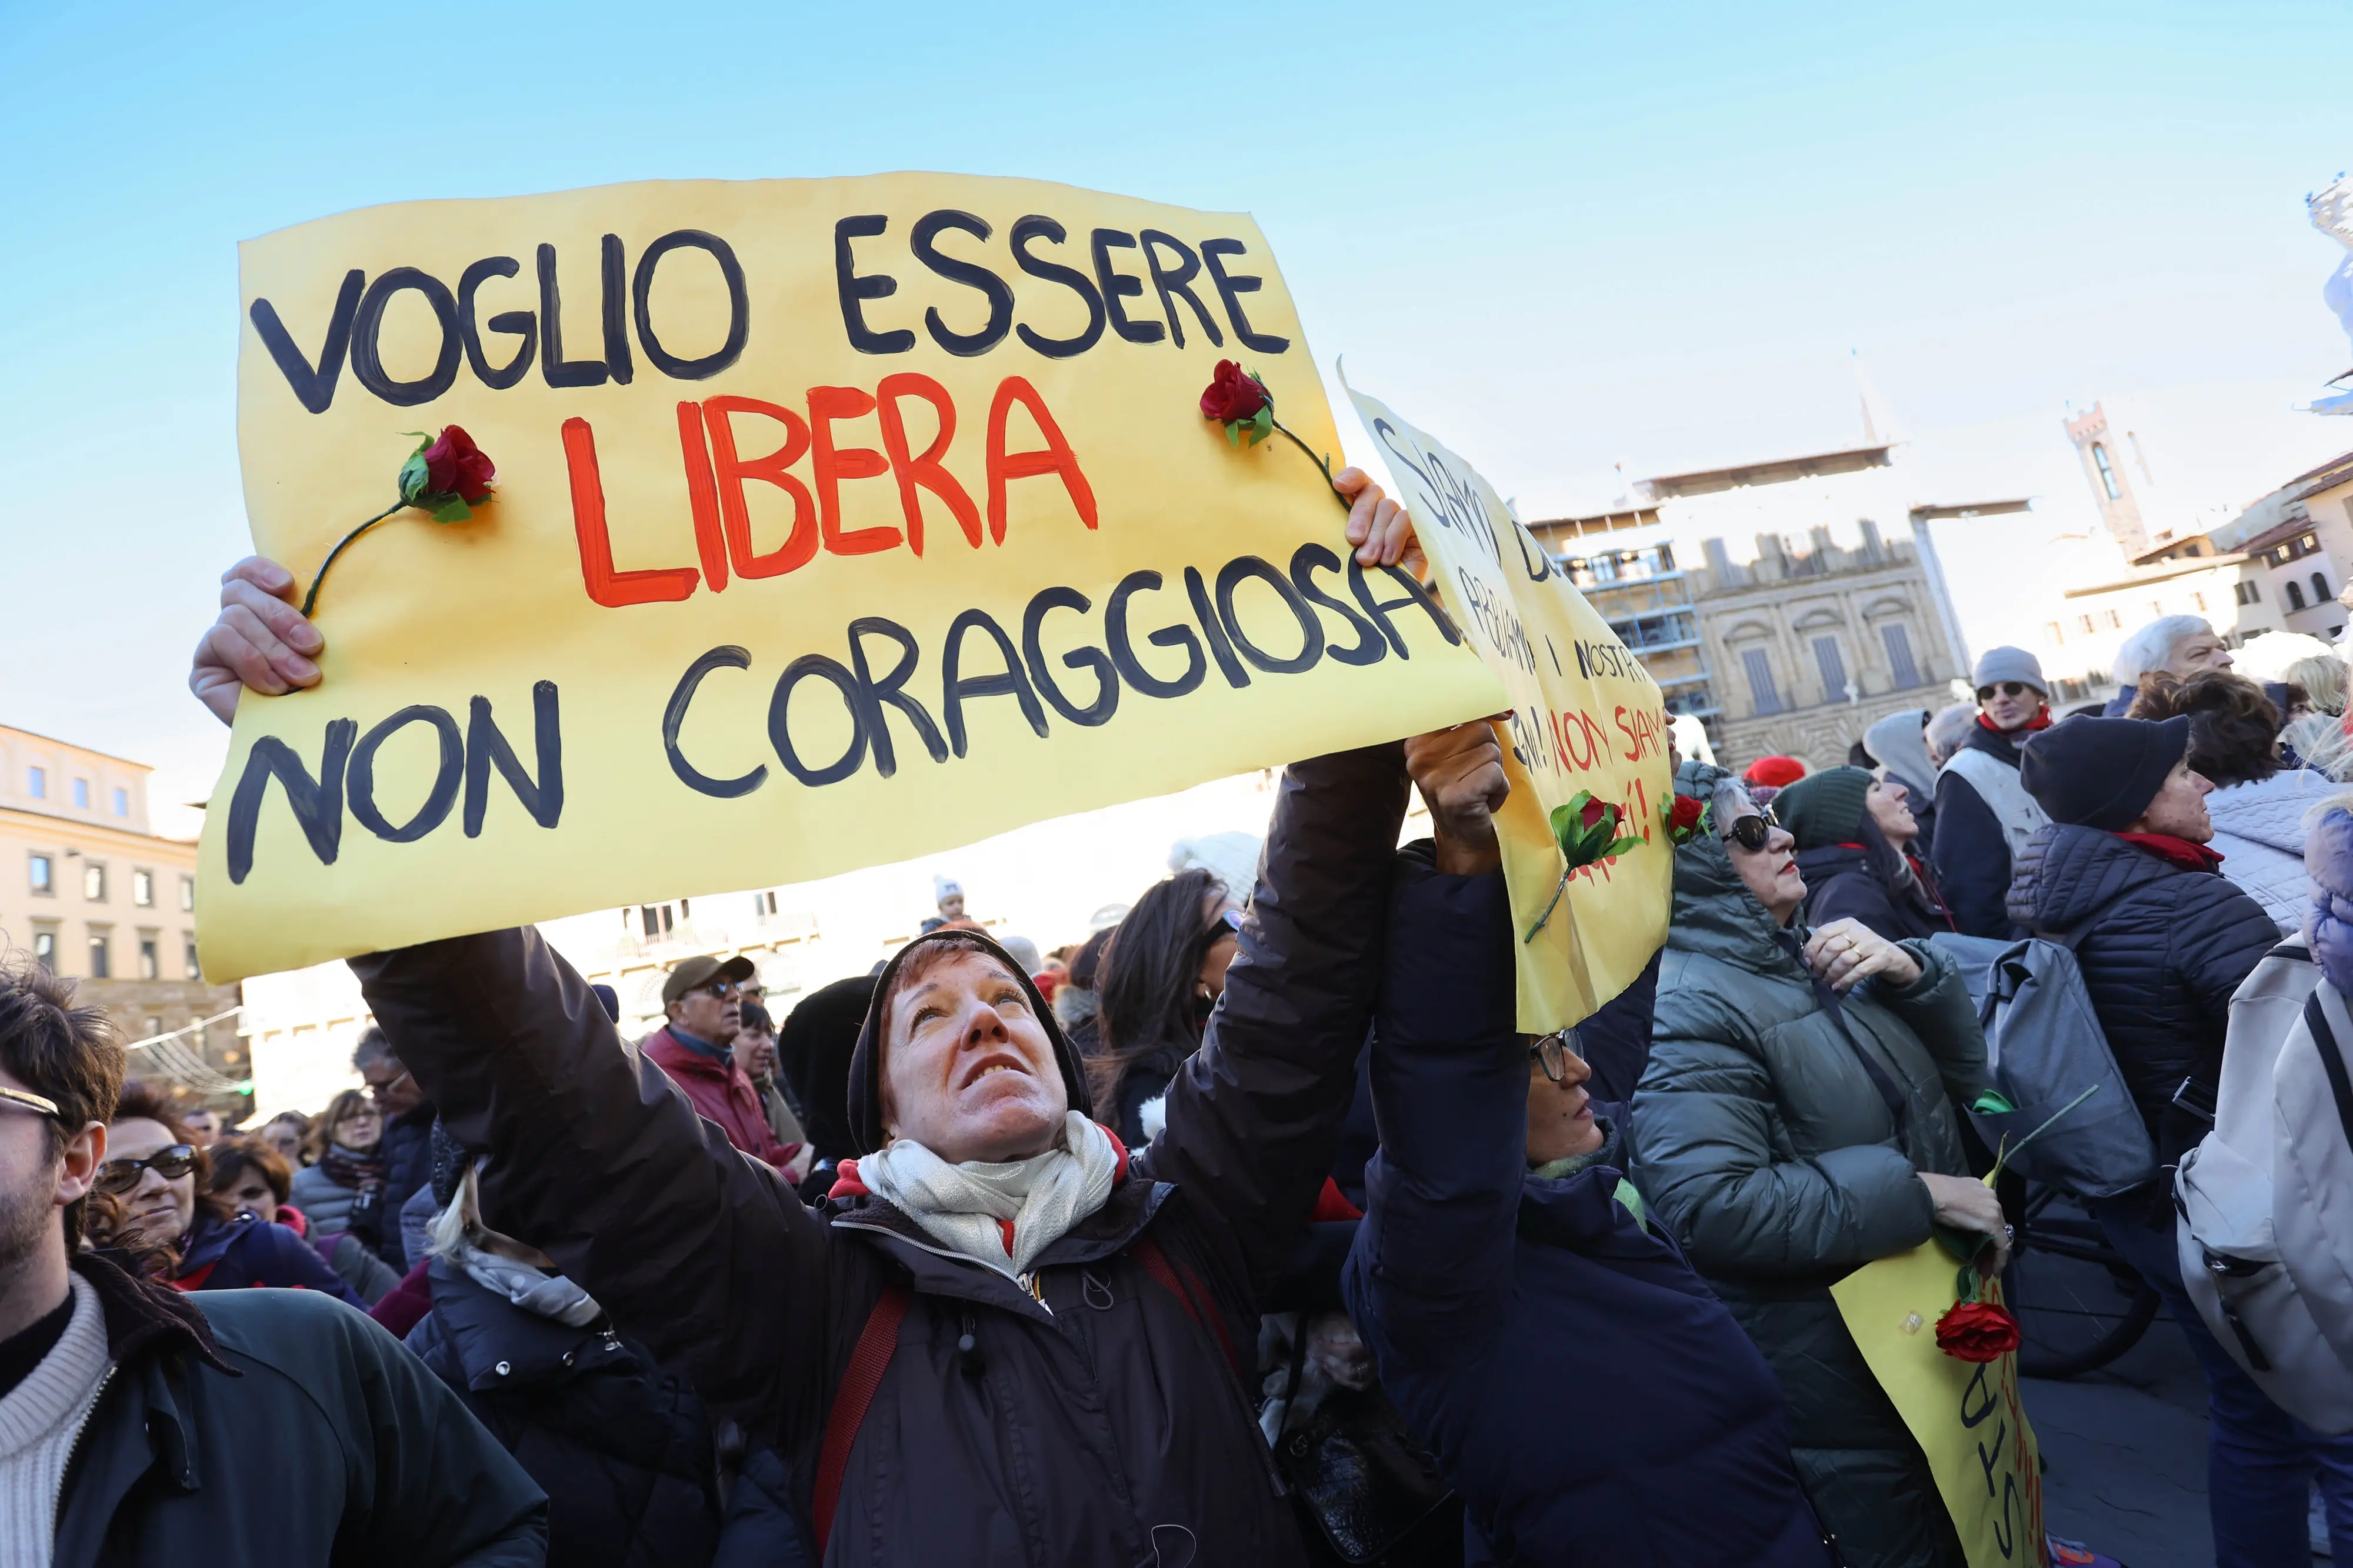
[2108, 473]
[2294, 595]
[2319, 589]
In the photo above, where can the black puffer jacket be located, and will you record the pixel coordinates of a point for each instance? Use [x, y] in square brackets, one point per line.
[623, 1451]
[1105, 1424]
[408, 1154]
[2161, 952]
[1848, 882]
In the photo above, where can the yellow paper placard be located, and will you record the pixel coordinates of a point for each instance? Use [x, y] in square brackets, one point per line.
[1967, 1415]
[1585, 715]
[836, 521]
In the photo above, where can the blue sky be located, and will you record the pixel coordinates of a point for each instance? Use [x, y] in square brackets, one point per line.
[1557, 237]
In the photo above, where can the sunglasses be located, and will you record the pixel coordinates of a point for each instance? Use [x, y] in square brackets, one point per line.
[1552, 1051]
[2008, 689]
[41, 1103]
[121, 1176]
[1753, 833]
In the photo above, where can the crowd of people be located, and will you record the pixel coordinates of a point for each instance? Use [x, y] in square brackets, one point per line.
[1249, 1230]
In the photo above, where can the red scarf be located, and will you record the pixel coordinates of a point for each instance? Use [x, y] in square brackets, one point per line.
[2042, 721]
[2176, 851]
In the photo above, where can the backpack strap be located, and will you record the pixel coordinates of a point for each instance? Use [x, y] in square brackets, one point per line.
[876, 1343]
[1182, 1286]
[2332, 1061]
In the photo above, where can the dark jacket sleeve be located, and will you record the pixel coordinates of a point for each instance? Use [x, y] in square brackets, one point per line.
[282, 1258]
[2218, 934]
[1431, 1275]
[1972, 860]
[1858, 896]
[1253, 1119]
[596, 1158]
[1937, 1009]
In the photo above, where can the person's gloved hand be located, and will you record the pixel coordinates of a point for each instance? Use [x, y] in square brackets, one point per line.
[259, 641]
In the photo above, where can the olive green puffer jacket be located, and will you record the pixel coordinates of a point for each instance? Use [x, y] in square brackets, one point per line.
[1766, 1146]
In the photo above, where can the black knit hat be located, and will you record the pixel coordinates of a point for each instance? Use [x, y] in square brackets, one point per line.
[1826, 807]
[2101, 773]
[866, 1062]
[814, 1047]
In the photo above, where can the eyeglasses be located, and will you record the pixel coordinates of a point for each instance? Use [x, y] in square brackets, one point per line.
[724, 990]
[380, 1090]
[121, 1176]
[1552, 1051]
[1753, 833]
[2008, 689]
[1224, 921]
[29, 1100]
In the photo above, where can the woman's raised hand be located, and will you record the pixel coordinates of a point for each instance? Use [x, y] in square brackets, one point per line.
[259, 641]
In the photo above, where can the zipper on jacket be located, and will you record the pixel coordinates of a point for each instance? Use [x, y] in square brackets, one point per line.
[73, 1453]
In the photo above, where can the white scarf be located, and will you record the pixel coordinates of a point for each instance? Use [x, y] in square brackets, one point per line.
[960, 1205]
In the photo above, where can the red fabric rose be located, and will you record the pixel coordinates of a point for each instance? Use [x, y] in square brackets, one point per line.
[1977, 1330]
[455, 465]
[1232, 394]
[1685, 815]
[1595, 813]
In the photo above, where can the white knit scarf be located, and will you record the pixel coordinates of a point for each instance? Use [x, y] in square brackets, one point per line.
[960, 1205]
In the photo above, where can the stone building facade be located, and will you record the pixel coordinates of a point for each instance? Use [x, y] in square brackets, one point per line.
[89, 890]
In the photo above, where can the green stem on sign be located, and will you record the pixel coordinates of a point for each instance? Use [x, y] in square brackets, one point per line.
[1566, 874]
[311, 597]
[1319, 462]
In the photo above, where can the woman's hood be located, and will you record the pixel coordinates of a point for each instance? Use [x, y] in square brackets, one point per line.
[1900, 742]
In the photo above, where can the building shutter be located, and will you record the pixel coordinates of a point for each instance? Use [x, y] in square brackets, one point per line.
[1833, 669]
[1899, 655]
[1764, 696]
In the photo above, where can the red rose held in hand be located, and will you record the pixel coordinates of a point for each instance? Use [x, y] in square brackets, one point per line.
[455, 465]
[1977, 1330]
[1231, 395]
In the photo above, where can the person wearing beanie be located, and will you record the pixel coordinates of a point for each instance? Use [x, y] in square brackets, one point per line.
[995, 1290]
[2162, 940]
[1984, 816]
[1854, 833]
[1775, 773]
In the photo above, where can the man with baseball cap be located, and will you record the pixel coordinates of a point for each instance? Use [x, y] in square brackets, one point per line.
[697, 1050]
[1984, 816]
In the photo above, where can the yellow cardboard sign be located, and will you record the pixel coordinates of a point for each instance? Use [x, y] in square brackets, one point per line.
[1585, 715]
[836, 521]
[1966, 1415]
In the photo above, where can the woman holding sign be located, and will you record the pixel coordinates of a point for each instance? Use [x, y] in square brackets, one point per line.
[1796, 1122]
[1005, 1338]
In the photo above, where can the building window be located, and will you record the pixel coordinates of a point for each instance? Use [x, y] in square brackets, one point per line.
[44, 876]
[45, 949]
[93, 881]
[656, 920]
[2116, 621]
[101, 965]
[762, 905]
[81, 795]
[150, 965]
[143, 888]
[36, 782]
[2084, 623]
[1832, 666]
[1764, 697]
[122, 803]
[2193, 549]
[2108, 471]
[1899, 655]
[2200, 600]
[2052, 629]
[2319, 589]
[188, 895]
[188, 947]
[2294, 595]
[2245, 592]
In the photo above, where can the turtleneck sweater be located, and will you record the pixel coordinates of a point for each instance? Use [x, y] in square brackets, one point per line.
[40, 1420]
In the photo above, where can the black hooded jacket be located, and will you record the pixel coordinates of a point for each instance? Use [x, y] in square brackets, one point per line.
[1103, 1420]
[2162, 949]
[623, 1451]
